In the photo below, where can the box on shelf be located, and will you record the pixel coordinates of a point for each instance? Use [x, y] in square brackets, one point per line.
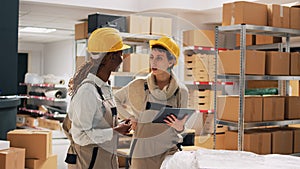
[207, 141]
[204, 106]
[161, 26]
[277, 63]
[255, 141]
[81, 31]
[38, 143]
[228, 108]
[252, 84]
[204, 38]
[295, 64]
[49, 163]
[278, 16]
[12, 158]
[244, 12]
[98, 20]
[136, 63]
[250, 40]
[196, 61]
[294, 17]
[262, 39]
[292, 107]
[230, 62]
[296, 141]
[31, 122]
[138, 24]
[273, 108]
[282, 141]
[49, 124]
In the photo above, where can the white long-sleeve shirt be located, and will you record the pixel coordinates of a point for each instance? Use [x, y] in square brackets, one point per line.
[86, 111]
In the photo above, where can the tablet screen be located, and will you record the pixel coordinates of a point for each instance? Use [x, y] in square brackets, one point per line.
[179, 113]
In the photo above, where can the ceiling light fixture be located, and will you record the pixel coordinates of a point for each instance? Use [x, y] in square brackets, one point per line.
[36, 30]
[291, 4]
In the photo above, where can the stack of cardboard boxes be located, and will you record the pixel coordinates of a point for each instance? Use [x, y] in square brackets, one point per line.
[259, 108]
[264, 140]
[37, 145]
[11, 157]
[136, 25]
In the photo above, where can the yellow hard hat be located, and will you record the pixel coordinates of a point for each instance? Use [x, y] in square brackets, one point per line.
[169, 44]
[106, 40]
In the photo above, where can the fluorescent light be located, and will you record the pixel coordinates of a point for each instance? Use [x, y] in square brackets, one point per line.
[37, 30]
[291, 4]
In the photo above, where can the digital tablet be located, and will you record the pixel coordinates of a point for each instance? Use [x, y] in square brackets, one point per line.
[179, 113]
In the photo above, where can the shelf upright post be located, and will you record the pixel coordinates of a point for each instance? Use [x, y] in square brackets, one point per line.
[215, 83]
[242, 87]
[287, 49]
[281, 83]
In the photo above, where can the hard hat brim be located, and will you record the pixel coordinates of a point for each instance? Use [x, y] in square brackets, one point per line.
[115, 50]
[156, 42]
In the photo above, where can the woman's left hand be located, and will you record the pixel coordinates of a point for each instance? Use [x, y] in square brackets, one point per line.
[177, 124]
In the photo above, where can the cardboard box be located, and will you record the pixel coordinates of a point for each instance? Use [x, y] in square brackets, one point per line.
[230, 62]
[161, 26]
[38, 143]
[273, 108]
[296, 141]
[282, 142]
[207, 141]
[278, 16]
[204, 38]
[277, 63]
[50, 163]
[49, 124]
[138, 24]
[136, 63]
[244, 12]
[294, 17]
[12, 158]
[81, 31]
[228, 108]
[255, 141]
[295, 64]
[250, 40]
[261, 39]
[292, 107]
[31, 122]
[253, 84]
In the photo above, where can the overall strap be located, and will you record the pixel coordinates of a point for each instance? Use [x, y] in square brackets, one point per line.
[91, 82]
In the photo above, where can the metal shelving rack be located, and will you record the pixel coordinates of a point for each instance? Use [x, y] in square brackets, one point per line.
[206, 85]
[244, 29]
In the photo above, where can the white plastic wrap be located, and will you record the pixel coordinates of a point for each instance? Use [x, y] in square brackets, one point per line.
[227, 159]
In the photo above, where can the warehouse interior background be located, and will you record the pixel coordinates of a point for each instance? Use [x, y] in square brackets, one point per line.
[55, 53]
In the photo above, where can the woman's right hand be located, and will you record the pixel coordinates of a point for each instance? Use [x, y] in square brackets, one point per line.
[122, 128]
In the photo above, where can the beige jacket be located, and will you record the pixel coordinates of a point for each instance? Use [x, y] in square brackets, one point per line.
[152, 138]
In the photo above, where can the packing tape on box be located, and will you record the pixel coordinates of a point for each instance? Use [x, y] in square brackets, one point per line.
[232, 14]
[281, 11]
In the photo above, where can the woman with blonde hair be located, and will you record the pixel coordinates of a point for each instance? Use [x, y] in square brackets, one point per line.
[144, 97]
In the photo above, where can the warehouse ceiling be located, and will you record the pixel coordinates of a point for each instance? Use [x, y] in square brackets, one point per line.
[63, 15]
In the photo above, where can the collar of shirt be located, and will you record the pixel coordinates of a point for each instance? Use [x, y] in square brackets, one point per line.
[99, 82]
[106, 88]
